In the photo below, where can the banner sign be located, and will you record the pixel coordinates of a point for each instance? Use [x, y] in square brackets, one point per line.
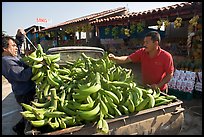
[42, 20]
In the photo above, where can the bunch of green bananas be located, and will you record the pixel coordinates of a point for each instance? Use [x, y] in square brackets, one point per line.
[159, 22]
[177, 22]
[194, 20]
[166, 23]
[84, 91]
[140, 27]
[132, 28]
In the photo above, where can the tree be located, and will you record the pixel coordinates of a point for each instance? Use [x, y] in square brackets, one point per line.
[4, 33]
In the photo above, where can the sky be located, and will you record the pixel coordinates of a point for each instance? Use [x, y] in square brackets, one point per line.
[24, 14]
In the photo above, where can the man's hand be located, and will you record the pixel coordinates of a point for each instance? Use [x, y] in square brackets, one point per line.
[111, 56]
[154, 86]
[21, 31]
[28, 52]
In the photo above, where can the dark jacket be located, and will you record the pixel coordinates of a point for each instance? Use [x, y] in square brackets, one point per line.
[18, 75]
[19, 41]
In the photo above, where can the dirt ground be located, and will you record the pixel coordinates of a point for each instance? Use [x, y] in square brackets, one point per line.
[10, 113]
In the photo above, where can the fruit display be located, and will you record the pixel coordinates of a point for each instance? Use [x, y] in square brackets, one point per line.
[177, 22]
[115, 32]
[166, 23]
[194, 43]
[159, 24]
[140, 27]
[194, 20]
[84, 91]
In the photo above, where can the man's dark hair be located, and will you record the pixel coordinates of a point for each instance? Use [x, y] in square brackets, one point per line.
[155, 36]
[5, 40]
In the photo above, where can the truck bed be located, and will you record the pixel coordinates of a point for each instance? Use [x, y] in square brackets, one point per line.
[161, 120]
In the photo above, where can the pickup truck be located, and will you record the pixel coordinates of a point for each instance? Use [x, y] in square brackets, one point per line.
[161, 120]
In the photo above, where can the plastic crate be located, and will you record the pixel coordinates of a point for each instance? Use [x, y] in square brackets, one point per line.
[180, 94]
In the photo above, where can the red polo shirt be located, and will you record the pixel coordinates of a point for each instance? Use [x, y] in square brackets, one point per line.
[153, 69]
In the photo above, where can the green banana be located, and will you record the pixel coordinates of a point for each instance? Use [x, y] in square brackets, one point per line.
[89, 99]
[39, 95]
[112, 96]
[35, 77]
[147, 91]
[40, 49]
[54, 124]
[27, 107]
[51, 80]
[110, 109]
[171, 97]
[120, 83]
[40, 79]
[54, 98]
[99, 125]
[62, 124]
[142, 105]
[68, 111]
[117, 92]
[47, 60]
[89, 115]
[41, 105]
[70, 121]
[46, 90]
[39, 123]
[54, 104]
[43, 85]
[62, 98]
[103, 107]
[33, 54]
[135, 97]
[38, 66]
[64, 71]
[138, 91]
[109, 116]
[157, 93]
[36, 59]
[54, 114]
[65, 77]
[163, 102]
[39, 114]
[117, 112]
[79, 96]
[56, 77]
[28, 116]
[110, 101]
[54, 65]
[87, 90]
[131, 106]
[34, 71]
[151, 101]
[56, 60]
[160, 99]
[105, 127]
[87, 106]
[123, 109]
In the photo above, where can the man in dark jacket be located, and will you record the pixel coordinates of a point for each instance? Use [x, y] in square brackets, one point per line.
[20, 38]
[18, 75]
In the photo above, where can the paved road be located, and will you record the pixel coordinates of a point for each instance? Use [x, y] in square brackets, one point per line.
[10, 109]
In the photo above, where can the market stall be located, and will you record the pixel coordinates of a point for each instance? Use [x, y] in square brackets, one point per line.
[182, 36]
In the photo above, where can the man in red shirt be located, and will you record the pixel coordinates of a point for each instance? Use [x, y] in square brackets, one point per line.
[156, 64]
